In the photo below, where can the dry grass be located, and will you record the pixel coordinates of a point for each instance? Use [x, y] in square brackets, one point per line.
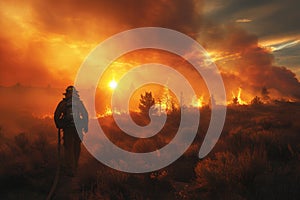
[257, 157]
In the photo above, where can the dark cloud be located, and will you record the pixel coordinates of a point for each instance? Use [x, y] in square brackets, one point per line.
[289, 57]
[270, 18]
[253, 64]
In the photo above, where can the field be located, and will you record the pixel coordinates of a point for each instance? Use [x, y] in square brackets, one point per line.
[256, 157]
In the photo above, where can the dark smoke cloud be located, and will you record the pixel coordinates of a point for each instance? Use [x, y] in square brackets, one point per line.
[253, 64]
[269, 18]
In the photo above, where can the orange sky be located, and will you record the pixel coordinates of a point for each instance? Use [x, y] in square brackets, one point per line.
[47, 41]
[44, 42]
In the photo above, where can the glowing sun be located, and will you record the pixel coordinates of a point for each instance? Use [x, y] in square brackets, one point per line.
[113, 84]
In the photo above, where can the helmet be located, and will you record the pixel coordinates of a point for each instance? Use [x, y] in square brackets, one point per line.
[70, 89]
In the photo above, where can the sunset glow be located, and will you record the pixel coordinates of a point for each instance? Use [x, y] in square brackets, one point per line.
[113, 84]
[41, 41]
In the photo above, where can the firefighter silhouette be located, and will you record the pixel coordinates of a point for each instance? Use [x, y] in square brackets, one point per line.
[69, 110]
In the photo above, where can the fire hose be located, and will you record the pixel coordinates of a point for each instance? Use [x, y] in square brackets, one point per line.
[57, 174]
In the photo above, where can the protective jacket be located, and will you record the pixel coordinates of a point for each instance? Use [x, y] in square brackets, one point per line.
[69, 111]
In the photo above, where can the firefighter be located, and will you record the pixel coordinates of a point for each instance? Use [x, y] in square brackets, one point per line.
[68, 111]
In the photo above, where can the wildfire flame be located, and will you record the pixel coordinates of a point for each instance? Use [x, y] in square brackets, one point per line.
[166, 100]
[108, 111]
[198, 102]
[238, 97]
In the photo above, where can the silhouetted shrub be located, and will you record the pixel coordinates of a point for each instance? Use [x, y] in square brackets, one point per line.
[256, 101]
[228, 173]
[22, 142]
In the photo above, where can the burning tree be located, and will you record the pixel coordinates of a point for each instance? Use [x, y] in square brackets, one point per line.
[146, 101]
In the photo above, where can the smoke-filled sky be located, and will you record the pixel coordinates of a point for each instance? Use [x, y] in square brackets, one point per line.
[255, 43]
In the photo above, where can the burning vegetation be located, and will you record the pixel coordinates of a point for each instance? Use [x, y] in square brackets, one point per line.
[257, 155]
